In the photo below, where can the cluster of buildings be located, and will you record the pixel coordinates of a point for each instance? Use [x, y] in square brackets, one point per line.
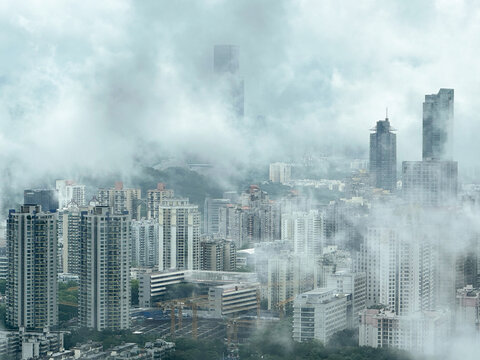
[397, 260]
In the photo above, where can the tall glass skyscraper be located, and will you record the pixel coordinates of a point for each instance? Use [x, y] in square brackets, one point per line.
[383, 156]
[438, 126]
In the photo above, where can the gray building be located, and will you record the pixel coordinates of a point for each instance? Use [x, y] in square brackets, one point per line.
[438, 126]
[383, 156]
[46, 198]
[104, 296]
[226, 65]
[211, 215]
[430, 183]
[145, 235]
[32, 268]
[218, 255]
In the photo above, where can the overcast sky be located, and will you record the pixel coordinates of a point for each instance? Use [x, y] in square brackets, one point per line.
[94, 85]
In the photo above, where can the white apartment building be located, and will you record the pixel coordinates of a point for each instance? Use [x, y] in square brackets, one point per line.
[179, 235]
[280, 172]
[288, 276]
[318, 314]
[121, 200]
[155, 198]
[305, 230]
[104, 294]
[400, 266]
[68, 192]
[32, 268]
[422, 332]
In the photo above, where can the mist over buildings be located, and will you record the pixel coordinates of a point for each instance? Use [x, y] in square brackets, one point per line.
[100, 87]
[117, 90]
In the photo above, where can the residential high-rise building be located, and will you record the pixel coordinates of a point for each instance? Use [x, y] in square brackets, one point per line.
[280, 172]
[430, 182]
[121, 200]
[32, 275]
[211, 215]
[46, 198]
[305, 230]
[69, 192]
[226, 66]
[438, 126]
[72, 216]
[383, 156]
[423, 332]
[145, 236]
[179, 235]
[104, 294]
[155, 198]
[218, 255]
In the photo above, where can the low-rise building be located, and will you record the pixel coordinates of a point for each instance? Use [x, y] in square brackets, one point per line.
[233, 299]
[318, 314]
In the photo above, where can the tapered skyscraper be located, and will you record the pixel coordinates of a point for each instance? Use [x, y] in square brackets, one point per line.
[438, 126]
[383, 156]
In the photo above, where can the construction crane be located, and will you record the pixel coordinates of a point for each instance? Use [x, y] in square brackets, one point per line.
[192, 302]
[281, 306]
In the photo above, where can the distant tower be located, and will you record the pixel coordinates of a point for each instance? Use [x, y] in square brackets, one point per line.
[383, 156]
[438, 126]
[32, 268]
[226, 65]
[104, 296]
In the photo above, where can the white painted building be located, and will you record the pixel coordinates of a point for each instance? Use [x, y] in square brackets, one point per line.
[179, 235]
[32, 268]
[318, 314]
[104, 293]
[280, 172]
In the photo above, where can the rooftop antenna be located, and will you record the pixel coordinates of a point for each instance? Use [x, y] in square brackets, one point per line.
[386, 113]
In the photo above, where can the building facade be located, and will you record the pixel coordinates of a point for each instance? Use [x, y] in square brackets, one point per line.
[179, 235]
[32, 268]
[318, 314]
[438, 125]
[144, 240]
[104, 293]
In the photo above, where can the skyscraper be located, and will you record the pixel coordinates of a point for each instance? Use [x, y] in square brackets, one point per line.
[211, 211]
[104, 296]
[226, 65]
[383, 156]
[438, 126]
[430, 182]
[32, 274]
[179, 235]
[46, 198]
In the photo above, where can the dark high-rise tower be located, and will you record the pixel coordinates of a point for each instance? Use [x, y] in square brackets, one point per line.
[383, 156]
[438, 126]
[226, 65]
